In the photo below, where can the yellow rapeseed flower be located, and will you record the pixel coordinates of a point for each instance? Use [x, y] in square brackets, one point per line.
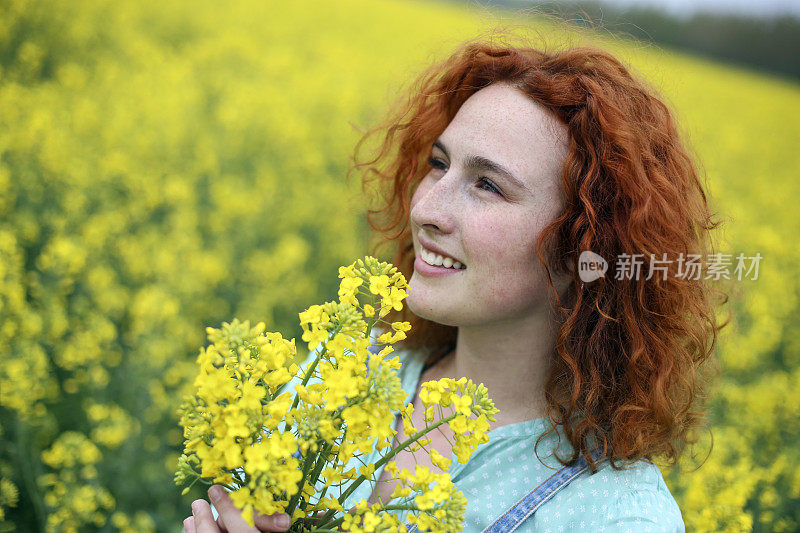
[276, 449]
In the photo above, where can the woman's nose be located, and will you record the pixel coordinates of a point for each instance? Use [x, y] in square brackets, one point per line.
[433, 204]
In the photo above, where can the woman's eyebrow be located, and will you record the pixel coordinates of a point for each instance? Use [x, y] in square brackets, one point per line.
[478, 162]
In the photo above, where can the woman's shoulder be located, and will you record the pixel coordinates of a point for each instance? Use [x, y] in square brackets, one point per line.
[635, 498]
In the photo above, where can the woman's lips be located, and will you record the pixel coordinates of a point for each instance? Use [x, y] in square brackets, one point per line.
[433, 271]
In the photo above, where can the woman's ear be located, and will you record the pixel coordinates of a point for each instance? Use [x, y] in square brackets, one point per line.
[571, 266]
[562, 281]
[567, 293]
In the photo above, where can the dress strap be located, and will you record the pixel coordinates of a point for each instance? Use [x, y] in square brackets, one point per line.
[523, 509]
[519, 512]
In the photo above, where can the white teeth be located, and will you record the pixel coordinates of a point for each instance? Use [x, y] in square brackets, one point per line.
[435, 259]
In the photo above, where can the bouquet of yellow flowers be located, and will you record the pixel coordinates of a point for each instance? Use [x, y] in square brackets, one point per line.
[301, 451]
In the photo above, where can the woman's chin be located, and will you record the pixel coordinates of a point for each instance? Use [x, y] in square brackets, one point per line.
[417, 301]
[428, 310]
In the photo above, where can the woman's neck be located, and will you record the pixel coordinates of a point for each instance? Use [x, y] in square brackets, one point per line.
[512, 361]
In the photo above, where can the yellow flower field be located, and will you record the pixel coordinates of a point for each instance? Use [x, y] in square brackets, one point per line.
[165, 166]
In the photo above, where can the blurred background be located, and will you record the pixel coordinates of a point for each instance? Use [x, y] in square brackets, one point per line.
[167, 166]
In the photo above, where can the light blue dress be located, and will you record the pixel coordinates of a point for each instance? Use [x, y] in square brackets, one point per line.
[505, 469]
[502, 471]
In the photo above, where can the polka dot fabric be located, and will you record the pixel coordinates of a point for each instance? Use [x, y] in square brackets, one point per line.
[506, 468]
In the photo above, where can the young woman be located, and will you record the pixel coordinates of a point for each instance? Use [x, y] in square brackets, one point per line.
[502, 166]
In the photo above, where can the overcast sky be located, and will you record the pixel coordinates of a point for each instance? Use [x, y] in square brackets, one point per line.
[749, 7]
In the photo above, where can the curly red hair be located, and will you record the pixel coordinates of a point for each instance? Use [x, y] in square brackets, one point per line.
[632, 356]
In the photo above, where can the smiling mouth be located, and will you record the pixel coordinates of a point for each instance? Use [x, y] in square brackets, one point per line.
[438, 260]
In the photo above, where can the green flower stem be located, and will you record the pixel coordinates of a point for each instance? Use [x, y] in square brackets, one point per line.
[370, 325]
[394, 451]
[407, 507]
[187, 489]
[336, 523]
[366, 292]
[339, 521]
[321, 460]
[325, 524]
[307, 377]
[293, 502]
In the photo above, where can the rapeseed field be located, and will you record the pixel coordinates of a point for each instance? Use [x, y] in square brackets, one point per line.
[166, 166]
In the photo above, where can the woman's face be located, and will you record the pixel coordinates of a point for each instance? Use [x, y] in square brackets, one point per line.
[484, 218]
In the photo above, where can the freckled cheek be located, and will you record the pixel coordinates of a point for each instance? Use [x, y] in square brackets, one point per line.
[498, 241]
[507, 288]
[505, 263]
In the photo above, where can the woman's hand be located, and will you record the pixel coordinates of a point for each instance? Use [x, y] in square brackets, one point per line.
[230, 517]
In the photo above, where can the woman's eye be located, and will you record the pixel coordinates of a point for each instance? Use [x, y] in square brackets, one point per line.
[483, 183]
[435, 163]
